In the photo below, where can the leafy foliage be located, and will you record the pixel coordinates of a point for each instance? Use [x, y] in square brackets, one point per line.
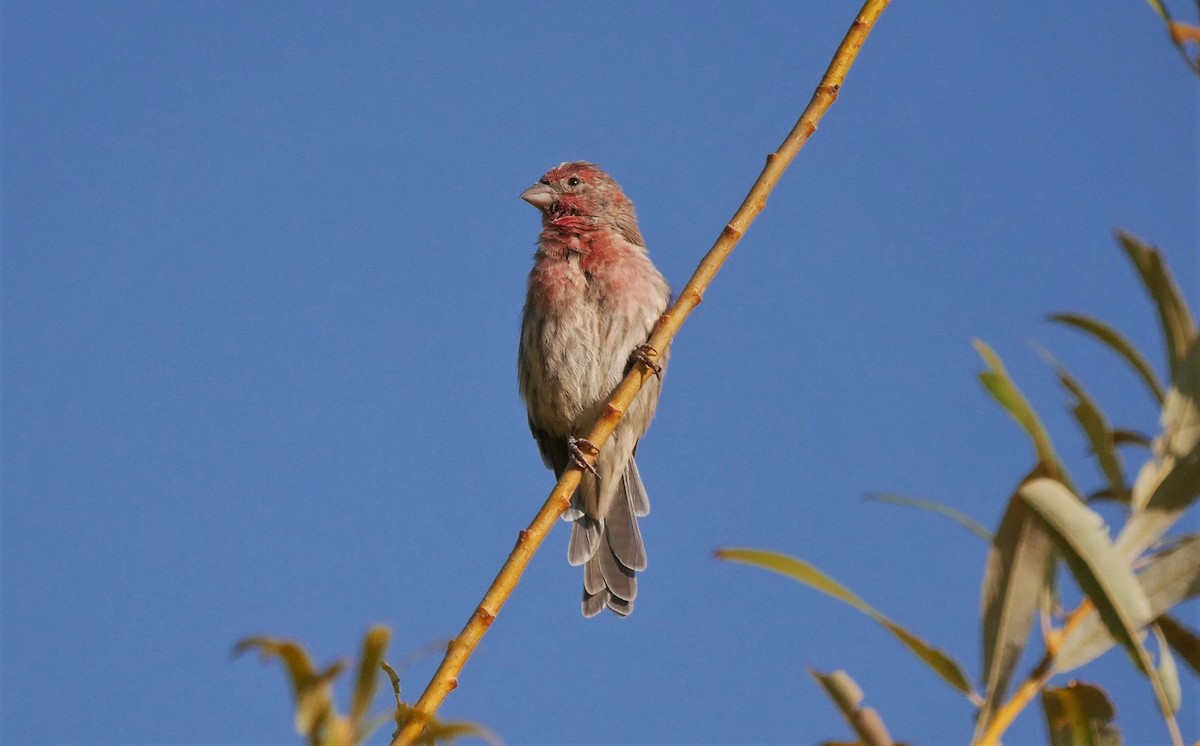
[1080, 715]
[943, 665]
[1129, 584]
[317, 717]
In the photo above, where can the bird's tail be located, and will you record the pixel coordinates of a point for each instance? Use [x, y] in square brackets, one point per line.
[610, 548]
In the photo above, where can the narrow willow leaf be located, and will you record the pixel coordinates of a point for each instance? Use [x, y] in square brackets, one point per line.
[312, 690]
[295, 658]
[1126, 437]
[1106, 495]
[1173, 314]
[799, 570]
[1080, 715]
[1184, 641]
[1168, 673]
[1173, 575]
[1170, 481]
[1017, 567]
[1168, 578]
[998, 383]
[1115, 341]
[374, 643]
[1082, 538]
[847, 695]
[957, 516]
[1095, 426]
[314, 705]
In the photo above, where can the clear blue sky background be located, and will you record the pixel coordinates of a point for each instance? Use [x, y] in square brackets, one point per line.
[262, 273]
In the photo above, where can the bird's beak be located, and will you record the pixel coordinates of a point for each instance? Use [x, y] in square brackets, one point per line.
[539, 195]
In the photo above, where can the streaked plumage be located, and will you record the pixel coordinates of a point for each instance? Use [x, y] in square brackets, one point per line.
[593, 297]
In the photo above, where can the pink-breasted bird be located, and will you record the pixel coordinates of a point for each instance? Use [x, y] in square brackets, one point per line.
[593, 298]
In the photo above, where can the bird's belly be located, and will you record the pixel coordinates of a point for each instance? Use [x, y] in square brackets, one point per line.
[574, 378]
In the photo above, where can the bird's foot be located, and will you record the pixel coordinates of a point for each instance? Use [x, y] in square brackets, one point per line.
[576, 454]
[645, 354]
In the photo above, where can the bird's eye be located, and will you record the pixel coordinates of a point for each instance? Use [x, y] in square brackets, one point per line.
[574, 181]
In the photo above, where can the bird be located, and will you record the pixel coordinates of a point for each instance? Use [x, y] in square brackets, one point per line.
[592, 300]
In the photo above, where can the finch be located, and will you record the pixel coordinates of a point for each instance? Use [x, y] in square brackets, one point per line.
[593, 298]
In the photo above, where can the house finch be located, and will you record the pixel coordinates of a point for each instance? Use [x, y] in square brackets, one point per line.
[593, 298]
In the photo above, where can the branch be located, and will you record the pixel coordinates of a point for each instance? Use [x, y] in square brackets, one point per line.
[460, 649]
[1036, 682]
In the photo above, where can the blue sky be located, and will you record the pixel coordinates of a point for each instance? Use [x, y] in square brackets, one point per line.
[263, 266]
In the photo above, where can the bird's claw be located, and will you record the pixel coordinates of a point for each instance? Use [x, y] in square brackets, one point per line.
[645, 355]
[576, 454]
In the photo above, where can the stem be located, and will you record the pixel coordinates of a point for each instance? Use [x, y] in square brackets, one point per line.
[1037, 680]
[1041, 674]
[460, 649]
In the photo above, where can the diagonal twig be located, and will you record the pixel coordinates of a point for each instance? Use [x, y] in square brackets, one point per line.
[461, 647]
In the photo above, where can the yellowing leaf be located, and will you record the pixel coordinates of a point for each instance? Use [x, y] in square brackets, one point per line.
[1170, 481]
[932, 506]
[1013, 581]
[312, 690]
[1168, 578]
[1094, 425]
[1115, 341]
[1184, 641]
[1168, 673]
[942, 664]
[1080, 715]
[374, 644]
[1173, 313]
[1082, 538]
[1102, 573]
[998, 383]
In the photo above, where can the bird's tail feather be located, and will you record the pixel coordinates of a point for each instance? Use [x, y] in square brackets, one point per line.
[611, 549]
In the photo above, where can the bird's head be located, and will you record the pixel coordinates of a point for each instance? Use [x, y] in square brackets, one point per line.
[577, 188]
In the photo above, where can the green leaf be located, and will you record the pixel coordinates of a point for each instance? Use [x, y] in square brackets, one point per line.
[957, 516]
[1082, 538]
[374, 643]
[1080, 715]
[1115, 341]
[1013, 581]
[1170, 481]
[1168, 673]
[847, 695]
[799, 570]
[1183, 640]
[1173, 575]
[1167, 579]
[1094, 425]
[1173, 314]
[1000, 385]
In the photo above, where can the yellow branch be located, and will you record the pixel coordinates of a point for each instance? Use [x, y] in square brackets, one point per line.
[1030, 688]
[460, 649]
